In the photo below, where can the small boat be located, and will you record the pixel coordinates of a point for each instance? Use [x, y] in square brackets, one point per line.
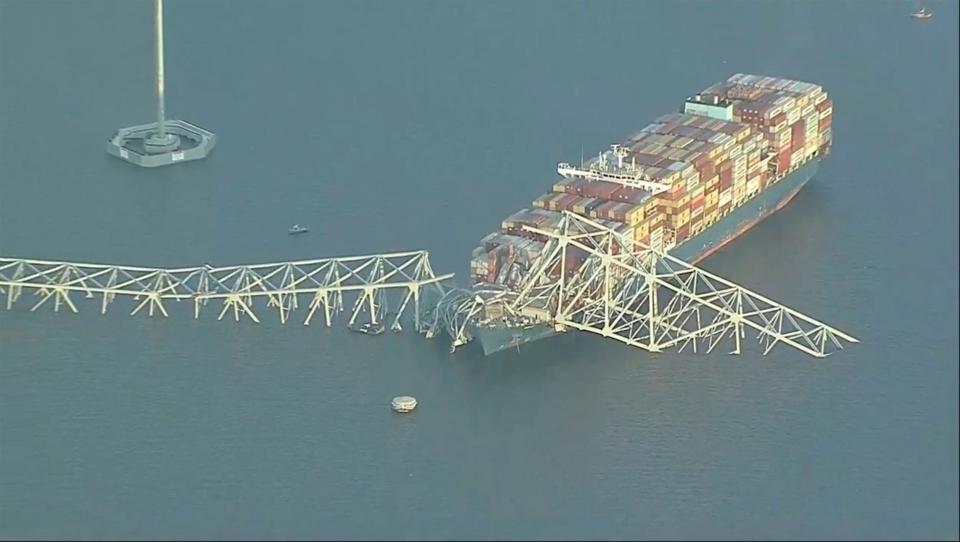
[922, 13]
[368, 328]
[297, 228]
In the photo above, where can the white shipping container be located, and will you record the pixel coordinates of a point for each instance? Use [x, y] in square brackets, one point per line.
[793, 115]
[807, 110]
[692, 183]
[725, 197]
[696, 211]
[753, 185]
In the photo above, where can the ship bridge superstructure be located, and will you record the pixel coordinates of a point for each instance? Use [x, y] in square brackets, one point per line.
[633, 294]
[628, 174]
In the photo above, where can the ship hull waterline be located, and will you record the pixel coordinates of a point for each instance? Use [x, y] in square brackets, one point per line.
[693, 250]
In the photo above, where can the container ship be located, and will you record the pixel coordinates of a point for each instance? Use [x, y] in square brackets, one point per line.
[686, 184]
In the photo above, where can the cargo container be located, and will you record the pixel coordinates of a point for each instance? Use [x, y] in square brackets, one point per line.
[543, 202]
[722, 173]
[629, 195]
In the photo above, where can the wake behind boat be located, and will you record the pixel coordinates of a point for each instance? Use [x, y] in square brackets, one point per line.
[922, 14]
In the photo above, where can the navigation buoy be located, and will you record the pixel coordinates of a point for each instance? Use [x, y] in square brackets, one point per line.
[403, 403]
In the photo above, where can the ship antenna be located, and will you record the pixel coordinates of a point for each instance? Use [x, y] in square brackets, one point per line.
[581, 156]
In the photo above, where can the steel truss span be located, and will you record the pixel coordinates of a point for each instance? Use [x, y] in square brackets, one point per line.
[371, 282]
[637, 296]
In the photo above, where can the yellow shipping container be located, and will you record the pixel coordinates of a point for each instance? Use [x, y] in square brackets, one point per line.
[696, 193]
[634, 215]
[671, 178]
[739, 192]
[725, 197]
[712, 182]
[696, 226]
[711, 198]
[711, 217]
[641, 231]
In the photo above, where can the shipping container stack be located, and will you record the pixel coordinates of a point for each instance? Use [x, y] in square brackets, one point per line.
[794, 116]
[713, 163]
[712, 166]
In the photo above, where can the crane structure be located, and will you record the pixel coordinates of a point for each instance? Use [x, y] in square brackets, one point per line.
[633, 294]
[322, 284]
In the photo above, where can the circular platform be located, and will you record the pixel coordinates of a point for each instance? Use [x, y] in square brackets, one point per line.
[143, 146]
[403, 403]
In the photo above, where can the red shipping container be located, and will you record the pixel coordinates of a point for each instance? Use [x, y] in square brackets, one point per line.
[726, 178]
[602, 210]
[682, 233]
[600, 189]
[627, 194]
[707, 171]
[825, 122]
[698, 202]
[564, 202]
[797, 134]
[783, 163]
[824, 105]
[577, 187]
[701, 160]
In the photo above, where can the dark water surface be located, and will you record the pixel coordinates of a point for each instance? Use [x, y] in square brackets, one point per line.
[412, 125]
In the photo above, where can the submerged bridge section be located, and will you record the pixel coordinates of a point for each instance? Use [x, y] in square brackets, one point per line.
[374, 283]
[631, 294]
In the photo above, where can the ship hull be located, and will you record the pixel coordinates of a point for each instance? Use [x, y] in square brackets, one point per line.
[694, 249]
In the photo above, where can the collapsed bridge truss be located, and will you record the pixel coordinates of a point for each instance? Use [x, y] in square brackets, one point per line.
[632, 294]
[322, 284]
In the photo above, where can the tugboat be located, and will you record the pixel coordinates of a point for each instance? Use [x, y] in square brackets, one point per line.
[368, 328]
[297, 229]
[922, 14]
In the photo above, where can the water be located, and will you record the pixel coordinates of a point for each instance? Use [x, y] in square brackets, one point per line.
[420, 125]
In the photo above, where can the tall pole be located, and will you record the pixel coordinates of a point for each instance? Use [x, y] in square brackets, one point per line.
[159, 43]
